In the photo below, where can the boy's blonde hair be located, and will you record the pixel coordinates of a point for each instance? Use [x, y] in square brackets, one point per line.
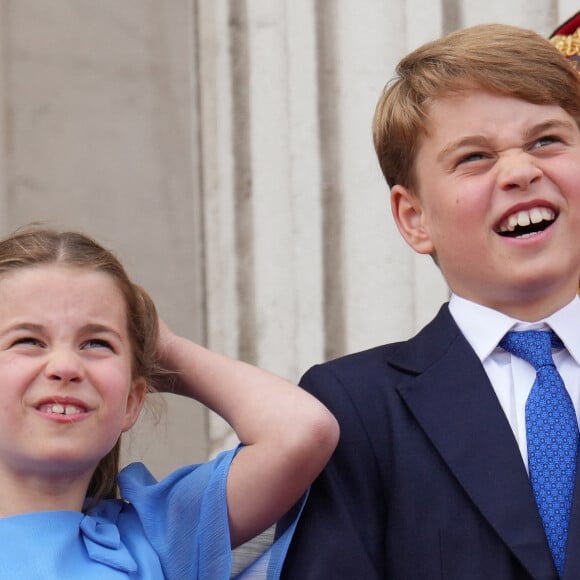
[498, 58]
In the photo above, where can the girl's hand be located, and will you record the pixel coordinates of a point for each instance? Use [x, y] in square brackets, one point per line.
[170, 381]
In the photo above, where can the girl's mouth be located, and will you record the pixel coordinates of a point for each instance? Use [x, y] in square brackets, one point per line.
[61, 409]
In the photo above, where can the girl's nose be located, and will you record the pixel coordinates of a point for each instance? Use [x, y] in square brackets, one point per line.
[518, 172]
[64, 365]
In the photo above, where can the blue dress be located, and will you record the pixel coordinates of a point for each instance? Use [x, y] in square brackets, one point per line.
[175, 529]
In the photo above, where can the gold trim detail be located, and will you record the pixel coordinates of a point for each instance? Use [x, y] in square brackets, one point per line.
[569, 46]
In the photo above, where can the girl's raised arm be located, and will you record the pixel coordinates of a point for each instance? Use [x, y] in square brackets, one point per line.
[288, 435]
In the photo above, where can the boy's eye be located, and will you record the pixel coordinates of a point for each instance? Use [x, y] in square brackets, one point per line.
[471, 157]
[545, 140]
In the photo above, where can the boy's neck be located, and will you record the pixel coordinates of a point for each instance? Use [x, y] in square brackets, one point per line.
[527, 311]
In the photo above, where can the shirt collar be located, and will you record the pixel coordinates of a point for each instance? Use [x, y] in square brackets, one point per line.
[484, 327]
[566, 324]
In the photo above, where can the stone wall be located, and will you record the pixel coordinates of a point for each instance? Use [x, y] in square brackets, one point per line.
[223, 149]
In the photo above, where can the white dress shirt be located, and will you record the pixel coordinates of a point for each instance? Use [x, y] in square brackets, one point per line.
[512, 377]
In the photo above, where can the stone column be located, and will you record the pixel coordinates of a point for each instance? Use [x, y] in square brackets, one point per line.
[99, 133]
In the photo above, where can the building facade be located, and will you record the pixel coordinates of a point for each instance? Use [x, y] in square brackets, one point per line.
[223, 149]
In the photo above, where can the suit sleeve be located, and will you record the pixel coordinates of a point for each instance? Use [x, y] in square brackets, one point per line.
[341, 532]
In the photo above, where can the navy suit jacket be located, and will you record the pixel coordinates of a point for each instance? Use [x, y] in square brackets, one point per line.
[427, 481]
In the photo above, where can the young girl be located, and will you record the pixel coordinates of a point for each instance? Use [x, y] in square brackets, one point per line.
[80, 345]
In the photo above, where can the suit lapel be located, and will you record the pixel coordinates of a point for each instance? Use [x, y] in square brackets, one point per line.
[449, 394]
[572, 567]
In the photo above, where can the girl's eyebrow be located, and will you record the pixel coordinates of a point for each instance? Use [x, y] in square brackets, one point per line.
[24, 326]
[96, 328]
[91, 328]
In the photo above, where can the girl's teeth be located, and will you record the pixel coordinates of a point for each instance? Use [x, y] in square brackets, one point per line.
[59, 409]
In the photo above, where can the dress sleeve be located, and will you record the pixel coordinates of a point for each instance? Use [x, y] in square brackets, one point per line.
[185, 519]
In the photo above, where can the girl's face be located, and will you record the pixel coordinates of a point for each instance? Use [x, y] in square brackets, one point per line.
[66, 387]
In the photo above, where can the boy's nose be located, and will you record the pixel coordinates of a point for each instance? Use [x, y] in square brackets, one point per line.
[64, 366]
[518, 172]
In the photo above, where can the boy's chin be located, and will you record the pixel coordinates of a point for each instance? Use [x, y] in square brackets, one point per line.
[535, 300]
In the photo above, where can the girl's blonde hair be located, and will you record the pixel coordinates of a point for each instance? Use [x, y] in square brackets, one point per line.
[35, 246]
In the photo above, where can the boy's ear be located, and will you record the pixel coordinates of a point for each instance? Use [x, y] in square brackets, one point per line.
[409, 217]
[135, 402]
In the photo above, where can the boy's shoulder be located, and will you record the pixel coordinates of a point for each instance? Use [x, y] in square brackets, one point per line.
[412, 356]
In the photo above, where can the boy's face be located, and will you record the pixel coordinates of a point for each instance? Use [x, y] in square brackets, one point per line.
[498, 201]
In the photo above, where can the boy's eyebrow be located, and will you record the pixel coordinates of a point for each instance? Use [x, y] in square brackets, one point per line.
[469, 141]
[548, 125]
[482, 141]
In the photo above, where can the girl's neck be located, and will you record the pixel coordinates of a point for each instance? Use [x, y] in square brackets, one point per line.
[26, 494]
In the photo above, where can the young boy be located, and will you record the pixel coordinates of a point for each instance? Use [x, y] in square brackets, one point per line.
[441, 460]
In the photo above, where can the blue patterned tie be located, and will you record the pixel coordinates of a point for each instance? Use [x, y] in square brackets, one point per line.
[552, 434]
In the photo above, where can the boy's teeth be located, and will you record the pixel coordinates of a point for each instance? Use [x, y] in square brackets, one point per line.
[526, 217]
[523, 218]
[512, 223]
[536, 216]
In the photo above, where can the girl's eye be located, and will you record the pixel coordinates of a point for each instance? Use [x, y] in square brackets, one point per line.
[27, 341]
[97, 343]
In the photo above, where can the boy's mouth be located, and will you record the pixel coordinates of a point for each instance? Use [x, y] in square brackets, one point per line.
[525, 223]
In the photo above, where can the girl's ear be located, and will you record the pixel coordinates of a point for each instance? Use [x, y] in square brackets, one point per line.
[410, 219]
[135, 402]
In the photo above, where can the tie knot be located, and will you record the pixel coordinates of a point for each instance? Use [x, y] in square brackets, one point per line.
[534, 346]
